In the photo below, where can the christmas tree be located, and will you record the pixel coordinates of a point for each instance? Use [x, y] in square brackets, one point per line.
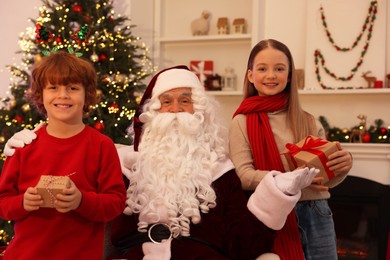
[90, 28]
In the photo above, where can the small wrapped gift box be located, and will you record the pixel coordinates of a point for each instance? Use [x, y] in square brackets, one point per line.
[202, 68]
[49, 186]
[312, 152]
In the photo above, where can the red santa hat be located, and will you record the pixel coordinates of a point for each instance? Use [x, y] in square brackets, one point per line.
[167, 79]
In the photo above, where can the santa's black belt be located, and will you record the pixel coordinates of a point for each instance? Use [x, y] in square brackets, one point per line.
[157, 233]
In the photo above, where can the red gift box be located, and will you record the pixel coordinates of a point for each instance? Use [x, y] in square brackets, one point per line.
[202, 68]
[312, 152]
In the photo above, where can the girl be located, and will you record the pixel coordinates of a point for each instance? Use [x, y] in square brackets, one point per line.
[269, 117]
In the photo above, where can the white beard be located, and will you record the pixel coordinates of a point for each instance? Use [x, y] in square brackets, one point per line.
[172, 179]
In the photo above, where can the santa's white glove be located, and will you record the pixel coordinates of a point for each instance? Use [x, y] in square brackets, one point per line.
[157, 251]
[128, 158]
[20, 139]
[276, 195]
[291, 183]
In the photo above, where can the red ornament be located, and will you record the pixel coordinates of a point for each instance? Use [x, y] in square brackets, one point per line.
[19, 119]
[42, 33]
[383, 130]
[77, 8]
[366, 138]
[58, 39]
[102, 57]
[113, 108]
[105, 79]
[99, 126]
[87, 18]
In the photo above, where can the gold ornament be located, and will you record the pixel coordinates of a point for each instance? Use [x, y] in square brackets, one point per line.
[99, 93]
[94, 57]
[12, 103]
[138, 99]
[120, 78]
[26, 107]
[2, 139]
[37, 57]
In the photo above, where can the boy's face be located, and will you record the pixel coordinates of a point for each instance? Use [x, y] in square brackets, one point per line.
[64, 103]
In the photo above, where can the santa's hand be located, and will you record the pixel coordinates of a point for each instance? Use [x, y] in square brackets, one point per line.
[20, 139]
[128, 158]
[290, 183]
[284, 190]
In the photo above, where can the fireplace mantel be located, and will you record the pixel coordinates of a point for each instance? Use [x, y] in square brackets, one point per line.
[370, 161]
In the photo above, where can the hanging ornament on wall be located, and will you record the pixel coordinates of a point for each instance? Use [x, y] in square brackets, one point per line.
[319, 59]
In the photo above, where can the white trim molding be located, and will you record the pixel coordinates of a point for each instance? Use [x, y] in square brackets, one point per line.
[370, 161]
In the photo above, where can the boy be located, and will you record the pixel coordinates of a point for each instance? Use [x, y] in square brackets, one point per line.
[63, 89]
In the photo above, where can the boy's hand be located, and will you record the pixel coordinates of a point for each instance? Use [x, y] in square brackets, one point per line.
[69, 199]
[32, 200]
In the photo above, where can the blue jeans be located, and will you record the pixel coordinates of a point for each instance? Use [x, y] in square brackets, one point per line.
[316, 227]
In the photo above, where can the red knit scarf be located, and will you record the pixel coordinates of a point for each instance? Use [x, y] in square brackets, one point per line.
[266, 157]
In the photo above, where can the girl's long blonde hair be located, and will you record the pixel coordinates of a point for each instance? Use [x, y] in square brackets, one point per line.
[300, 122]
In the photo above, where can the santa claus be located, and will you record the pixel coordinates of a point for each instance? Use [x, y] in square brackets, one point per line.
[184, 199]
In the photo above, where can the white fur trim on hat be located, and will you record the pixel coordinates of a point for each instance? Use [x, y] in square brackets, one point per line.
[175, 78]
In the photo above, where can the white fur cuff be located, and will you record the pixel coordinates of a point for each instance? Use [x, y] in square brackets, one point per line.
[269, 204]
[153, 251]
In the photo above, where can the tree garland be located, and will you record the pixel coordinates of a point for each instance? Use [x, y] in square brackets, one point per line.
[369, 23]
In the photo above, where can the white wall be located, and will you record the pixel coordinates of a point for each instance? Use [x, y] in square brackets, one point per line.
[14, 17]
[283, 19]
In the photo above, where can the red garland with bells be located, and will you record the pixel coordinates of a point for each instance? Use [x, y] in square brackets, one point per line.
[320, 60]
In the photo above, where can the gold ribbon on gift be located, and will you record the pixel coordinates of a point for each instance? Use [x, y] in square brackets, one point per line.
[310, 144]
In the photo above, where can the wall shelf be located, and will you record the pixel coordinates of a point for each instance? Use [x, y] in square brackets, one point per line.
[205, 38]
[345, 91]
[225, 93]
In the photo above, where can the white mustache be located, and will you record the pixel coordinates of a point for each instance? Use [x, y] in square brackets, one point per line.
[184, 123]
